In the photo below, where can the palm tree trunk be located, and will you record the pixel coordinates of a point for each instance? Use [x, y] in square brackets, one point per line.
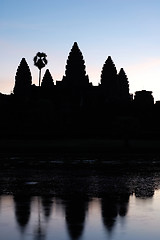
[39, 77]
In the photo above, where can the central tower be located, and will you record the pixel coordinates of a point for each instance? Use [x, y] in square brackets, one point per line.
[75, 74]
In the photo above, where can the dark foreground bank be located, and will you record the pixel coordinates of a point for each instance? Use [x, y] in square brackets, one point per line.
[78, 145]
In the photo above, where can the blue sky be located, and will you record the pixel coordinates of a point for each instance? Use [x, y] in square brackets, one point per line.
[127, 30]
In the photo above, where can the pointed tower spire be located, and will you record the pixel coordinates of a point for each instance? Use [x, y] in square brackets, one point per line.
[75, 74]
[23, 79]
[47, 81]
[109, 80]
[123, 86]
[109, 72]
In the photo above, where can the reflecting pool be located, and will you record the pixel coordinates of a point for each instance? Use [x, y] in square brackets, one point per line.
[84, 200]
[115, 215]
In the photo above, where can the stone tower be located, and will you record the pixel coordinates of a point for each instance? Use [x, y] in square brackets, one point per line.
[123, 86]
[23, 79]
[75, 74]
[109, 83]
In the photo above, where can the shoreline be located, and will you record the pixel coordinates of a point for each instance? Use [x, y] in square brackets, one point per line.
[79, 145]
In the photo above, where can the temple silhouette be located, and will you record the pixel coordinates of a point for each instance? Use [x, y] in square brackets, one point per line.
[74, 107]
[113, 87]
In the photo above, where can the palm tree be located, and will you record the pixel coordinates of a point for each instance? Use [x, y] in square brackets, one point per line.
[40, 61]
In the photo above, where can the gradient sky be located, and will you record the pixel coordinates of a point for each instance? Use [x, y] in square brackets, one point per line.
[126, 30]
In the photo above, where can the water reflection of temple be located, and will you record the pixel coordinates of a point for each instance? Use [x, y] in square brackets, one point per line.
[22, 210]
[79, 218]
[47, 203]
[74, 208]
[75, 211]
[113, 204]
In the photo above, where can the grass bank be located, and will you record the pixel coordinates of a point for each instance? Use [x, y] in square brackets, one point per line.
[73, 145]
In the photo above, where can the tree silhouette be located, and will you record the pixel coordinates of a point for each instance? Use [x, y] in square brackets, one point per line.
[75, 74]
[23, 79]
[123, 86]
[47, 81]
[40, 61]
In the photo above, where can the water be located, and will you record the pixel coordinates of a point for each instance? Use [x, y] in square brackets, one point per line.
[122, 216]
[80, 202]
